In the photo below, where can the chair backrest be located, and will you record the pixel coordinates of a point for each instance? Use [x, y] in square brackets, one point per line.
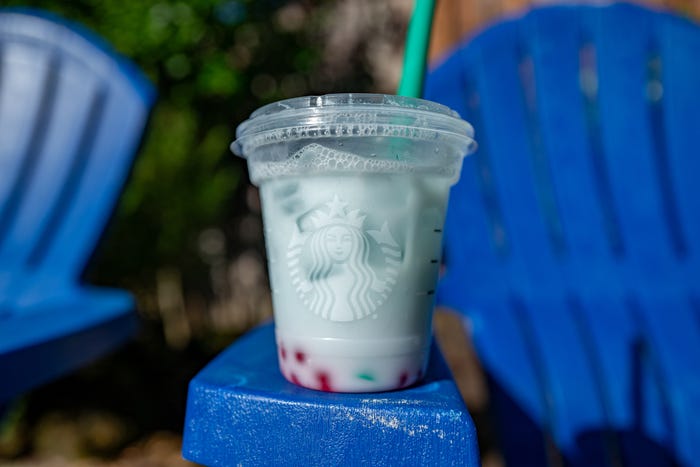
[72, 113]
[585, 180]
[572, 238]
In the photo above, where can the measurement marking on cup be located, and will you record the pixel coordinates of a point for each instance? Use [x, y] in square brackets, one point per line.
[434, 261]
[437, 230]
[429, 292]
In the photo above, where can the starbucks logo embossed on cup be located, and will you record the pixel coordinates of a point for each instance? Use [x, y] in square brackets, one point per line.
[341, 269]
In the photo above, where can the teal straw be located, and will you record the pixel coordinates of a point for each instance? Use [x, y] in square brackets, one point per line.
[416, 52]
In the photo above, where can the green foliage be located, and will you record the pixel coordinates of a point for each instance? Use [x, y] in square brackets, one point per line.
[212, 62]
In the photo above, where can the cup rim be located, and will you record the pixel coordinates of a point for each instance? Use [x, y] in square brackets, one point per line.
[352, 99]
[278, 118]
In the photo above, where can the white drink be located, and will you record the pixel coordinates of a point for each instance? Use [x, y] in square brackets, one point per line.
[354, 260]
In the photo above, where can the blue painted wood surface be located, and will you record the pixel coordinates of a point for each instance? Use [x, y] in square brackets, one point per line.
[572, 237]
[241, 411]
[72, 113]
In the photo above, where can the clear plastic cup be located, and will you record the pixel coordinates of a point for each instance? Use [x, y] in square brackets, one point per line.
[354, 189]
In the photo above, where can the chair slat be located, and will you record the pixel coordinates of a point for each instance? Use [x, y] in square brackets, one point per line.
[558, 48]
[55, 162]
[102, 177]
[78, 162]
[22, 101]
[624, 46]
[679, 44]
[506, 128]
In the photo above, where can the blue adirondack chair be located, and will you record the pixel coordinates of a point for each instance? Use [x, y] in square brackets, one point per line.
[72, 113]
[573, 237]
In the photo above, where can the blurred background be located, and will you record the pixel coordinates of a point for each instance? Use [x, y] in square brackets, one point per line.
[186, 239]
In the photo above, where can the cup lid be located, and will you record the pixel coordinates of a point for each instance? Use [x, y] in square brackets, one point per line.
[340, 114]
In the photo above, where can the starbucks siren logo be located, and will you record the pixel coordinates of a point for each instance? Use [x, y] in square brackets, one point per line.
[341, 271]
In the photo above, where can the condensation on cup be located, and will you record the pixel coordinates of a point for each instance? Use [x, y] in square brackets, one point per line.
[354, 189]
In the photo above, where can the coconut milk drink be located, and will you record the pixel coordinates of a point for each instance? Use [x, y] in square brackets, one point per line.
[354, 190]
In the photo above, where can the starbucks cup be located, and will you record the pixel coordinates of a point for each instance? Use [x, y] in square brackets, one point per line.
[354, 189]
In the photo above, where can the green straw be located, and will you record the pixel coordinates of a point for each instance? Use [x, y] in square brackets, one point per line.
[416, 53]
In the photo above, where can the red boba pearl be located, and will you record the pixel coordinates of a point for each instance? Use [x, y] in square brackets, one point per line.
[324, 380]
[283, 352]
[295, 379]
[300, 356]
[403, 379]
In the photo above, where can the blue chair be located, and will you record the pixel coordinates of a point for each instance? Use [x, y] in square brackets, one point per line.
[72, 113]
[573, 237]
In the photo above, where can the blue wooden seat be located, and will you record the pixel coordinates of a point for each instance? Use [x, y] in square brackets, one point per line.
[573, 236]
[72, 113]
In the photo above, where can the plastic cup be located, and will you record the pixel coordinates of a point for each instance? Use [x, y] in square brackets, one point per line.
[354, 189]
